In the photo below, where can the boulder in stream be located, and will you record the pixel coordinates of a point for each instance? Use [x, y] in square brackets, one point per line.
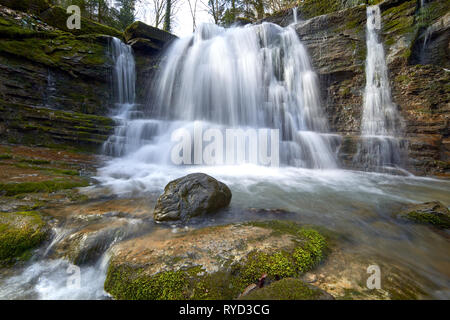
[190, 196]
[432, 213]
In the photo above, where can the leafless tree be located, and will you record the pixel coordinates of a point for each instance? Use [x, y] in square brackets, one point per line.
[154, 10]
[193, 9]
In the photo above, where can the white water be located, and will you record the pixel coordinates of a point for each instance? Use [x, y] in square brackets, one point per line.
[381, 123]
[247, 77]
[124, 83]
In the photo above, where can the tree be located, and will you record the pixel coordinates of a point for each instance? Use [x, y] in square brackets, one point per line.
[154, 11]
[126, 14]
[193, 10]
[216, 8]
[167, 16]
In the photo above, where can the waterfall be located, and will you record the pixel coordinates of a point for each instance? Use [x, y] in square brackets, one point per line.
[124, 82]
[381, 123]
[294, 13]
[257, 76]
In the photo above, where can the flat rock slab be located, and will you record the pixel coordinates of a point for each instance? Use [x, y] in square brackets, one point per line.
[211, 263]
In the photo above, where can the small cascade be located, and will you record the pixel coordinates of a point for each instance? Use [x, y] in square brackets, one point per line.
[124, 82]
[381, 123]
[294, 13]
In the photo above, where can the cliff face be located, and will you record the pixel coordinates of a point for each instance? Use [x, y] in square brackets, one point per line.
[418, 73]
[55, 85]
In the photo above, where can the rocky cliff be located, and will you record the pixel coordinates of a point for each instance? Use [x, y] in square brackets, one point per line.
[55, 83]
[416, 42]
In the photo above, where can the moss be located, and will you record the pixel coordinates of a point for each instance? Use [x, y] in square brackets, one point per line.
[441, 221]
[130, 284]
[20, 232]
[35, 161]
[57, 17]
[33, 6]
[5, 156]
[124, 282]
[11, 189]
[285, 289]
[431, 12]
[57, 171]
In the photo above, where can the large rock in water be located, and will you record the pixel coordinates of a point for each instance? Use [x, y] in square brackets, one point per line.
[433, 213]
[191, 196]
[217, 262]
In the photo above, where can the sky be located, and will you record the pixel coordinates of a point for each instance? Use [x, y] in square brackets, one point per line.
[182, 26]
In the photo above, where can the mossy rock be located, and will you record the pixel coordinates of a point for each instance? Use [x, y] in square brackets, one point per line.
[141, 30]
[15, 188]
[34, 6]
[288, 289]
[431, 213]
[19, 233]
[214, 262]
[57, 17]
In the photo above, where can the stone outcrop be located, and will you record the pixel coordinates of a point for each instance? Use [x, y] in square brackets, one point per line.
[55, 81]
[211, 263]
[190, 196]
[432, 213]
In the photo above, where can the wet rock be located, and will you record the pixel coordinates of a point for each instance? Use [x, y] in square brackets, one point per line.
[141, 30]
[19, 233]
[217, 262]
[288, 289]
[91, 242]
[432, 213]
[190, 196]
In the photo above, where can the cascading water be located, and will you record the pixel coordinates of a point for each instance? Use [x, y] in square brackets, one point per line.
[124, 82]
[381, 123]
[254, 76]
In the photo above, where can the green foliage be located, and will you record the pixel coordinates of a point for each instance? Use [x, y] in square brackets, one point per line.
[126, 13]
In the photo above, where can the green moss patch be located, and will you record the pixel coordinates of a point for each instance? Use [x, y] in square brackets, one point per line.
[19, 233]
[12, 189]
[432, 213]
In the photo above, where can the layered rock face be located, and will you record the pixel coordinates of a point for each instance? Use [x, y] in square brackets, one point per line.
[416, 42]
[55, 83]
